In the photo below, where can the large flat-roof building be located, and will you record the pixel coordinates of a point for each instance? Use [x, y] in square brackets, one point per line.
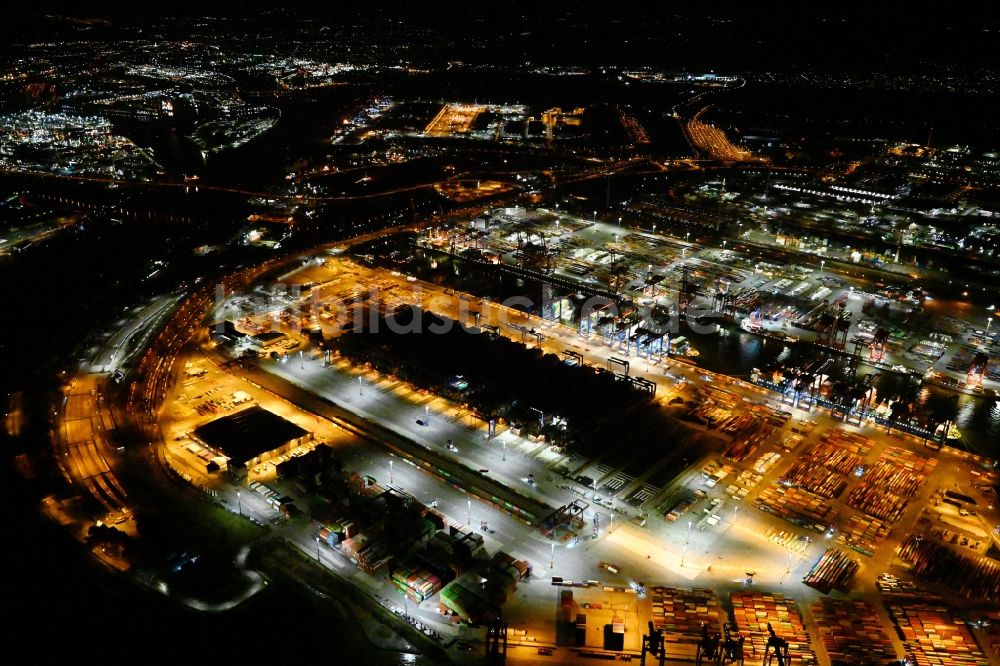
[226, 332]
[267, 339]
[250, 437]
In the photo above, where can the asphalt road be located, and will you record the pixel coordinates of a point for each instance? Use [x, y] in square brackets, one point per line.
[319, 403]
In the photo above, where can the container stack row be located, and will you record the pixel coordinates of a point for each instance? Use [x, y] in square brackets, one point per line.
[797, 505]
[681, 614]
[936, 636]
[975, 578]
[895, 478]
[863, 534]
[753, 611]
[852, 633]
[834, 569]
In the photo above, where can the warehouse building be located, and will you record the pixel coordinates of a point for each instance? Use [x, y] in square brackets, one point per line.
[250, 438]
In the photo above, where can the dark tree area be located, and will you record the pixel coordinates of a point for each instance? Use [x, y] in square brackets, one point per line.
[507, 380]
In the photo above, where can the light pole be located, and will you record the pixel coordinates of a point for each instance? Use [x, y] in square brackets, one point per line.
[619, 223]
[611, 522]
[735, 509]
[595, 217]
[687, 539]
[822, 264]
[239, 502]
[505, 451]
[361, 388]
[470, 511]
[302, 362]
[390, 472]
[552, 555]
[989, 320]
[427, 415]
[317, 549]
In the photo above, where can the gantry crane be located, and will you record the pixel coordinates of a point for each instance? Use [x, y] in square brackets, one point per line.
[732, 648]
[708, 647]
[776, 650]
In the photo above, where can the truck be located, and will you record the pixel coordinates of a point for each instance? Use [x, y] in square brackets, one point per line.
[680, 508]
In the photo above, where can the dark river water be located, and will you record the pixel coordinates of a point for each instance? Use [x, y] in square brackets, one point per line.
[739, 352]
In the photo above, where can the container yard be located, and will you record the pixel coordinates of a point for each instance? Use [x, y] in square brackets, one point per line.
[797, 506]
[977, 578]
[681, 615]
[824, 467]
[885, 491]
[743, 484]
[897, 588]
[415, 583]
[753, 611]
[479, 593]
[752, 433]
[602, 617]
[833, 570]
[934, 634]
[852, 633]
[863, 534]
